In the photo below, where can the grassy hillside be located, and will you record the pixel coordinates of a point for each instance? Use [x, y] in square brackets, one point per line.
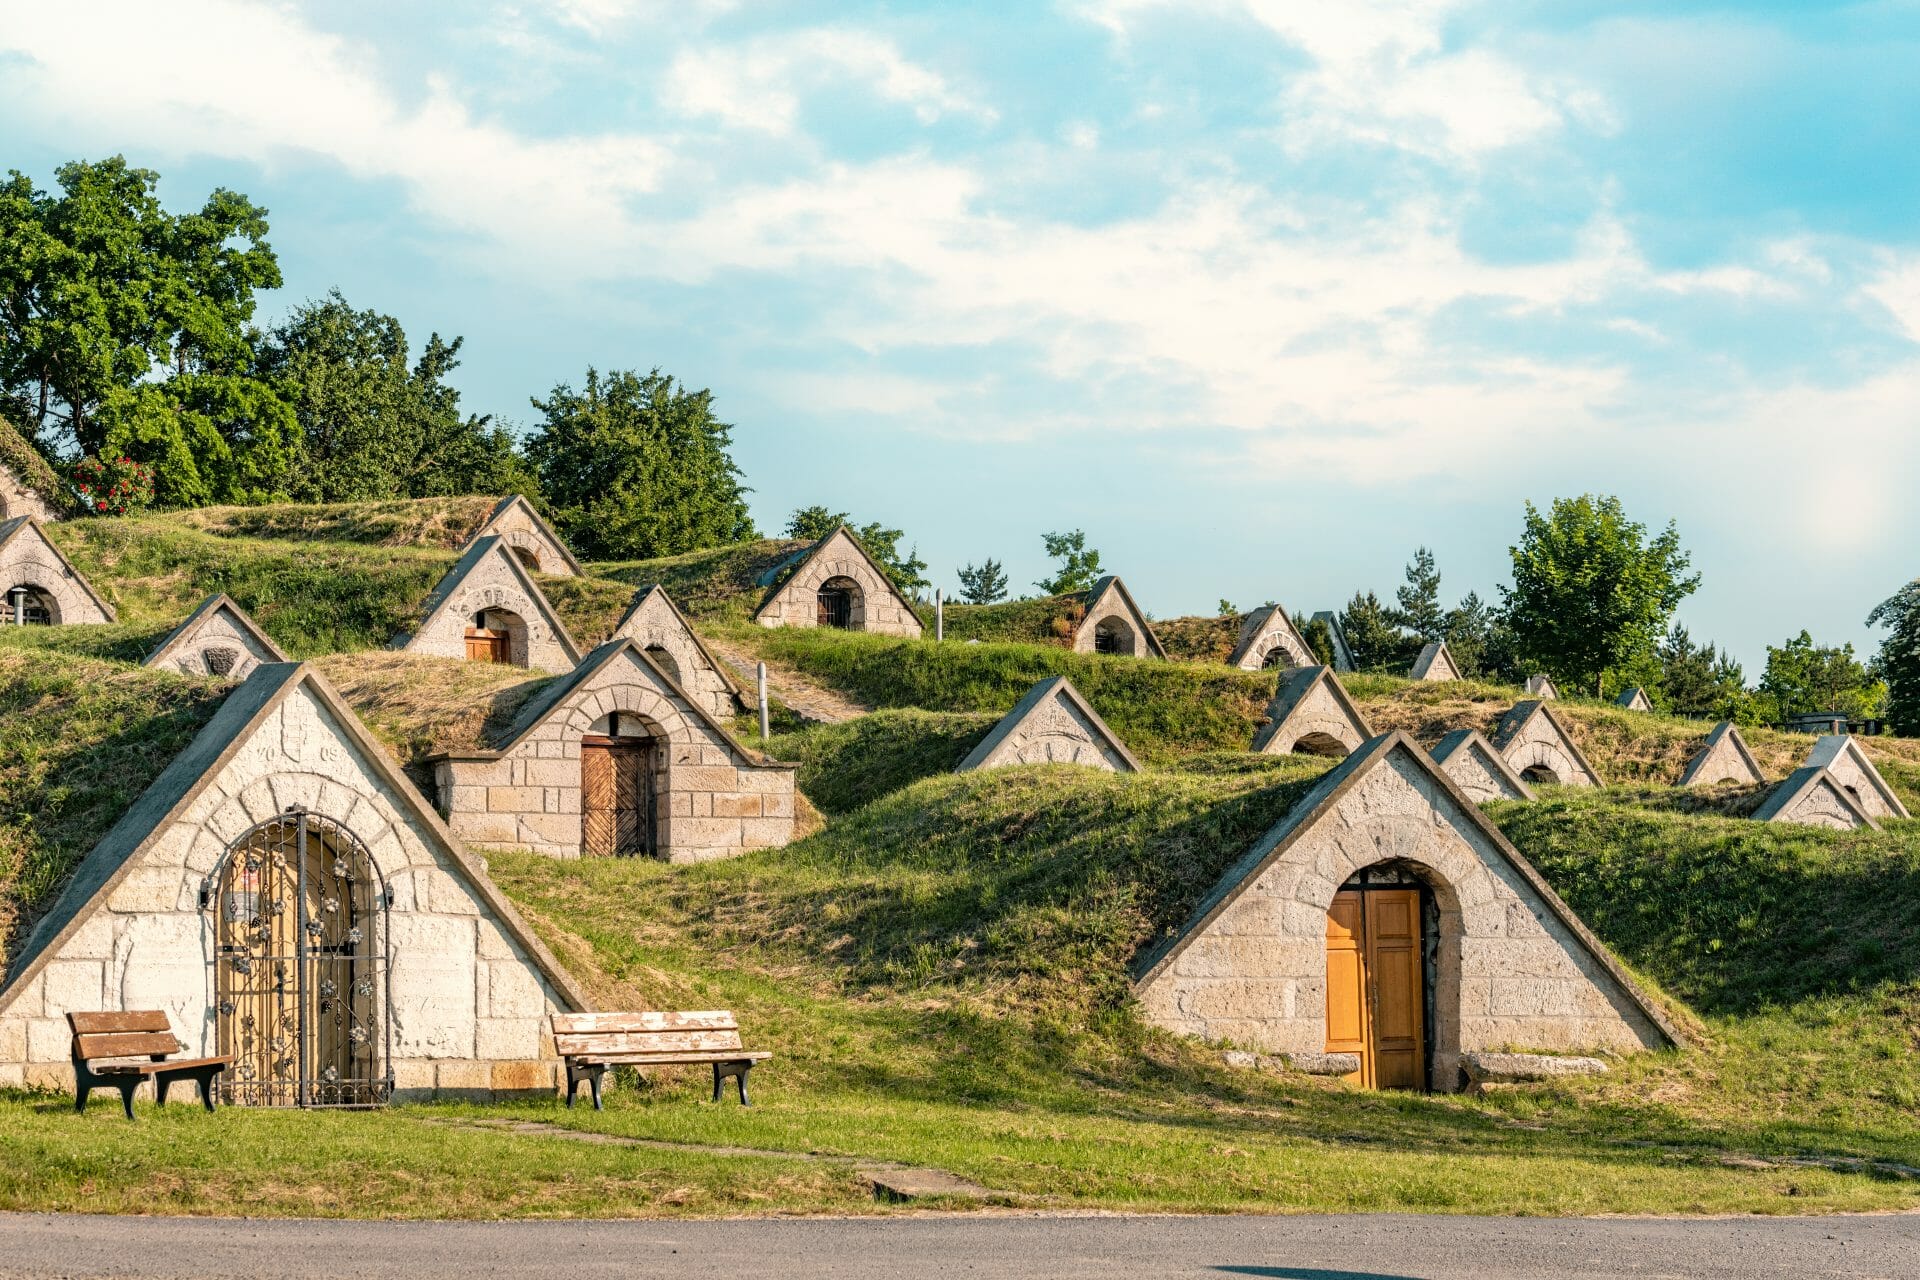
[723, 584]
[443, 523]
[313, 595]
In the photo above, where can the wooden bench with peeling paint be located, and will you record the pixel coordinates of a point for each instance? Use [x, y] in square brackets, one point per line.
[590, 1043]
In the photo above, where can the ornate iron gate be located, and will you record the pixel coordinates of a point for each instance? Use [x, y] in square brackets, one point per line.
[616, 797]
[300, 983]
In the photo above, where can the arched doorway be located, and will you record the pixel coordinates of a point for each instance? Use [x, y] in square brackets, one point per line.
[1113, 635]
[1279, 659]
[300, 989]
[839, 603]
[28, 606]
[496, 635]
[618, 813]
[1536, 774]
[1382, 943]
[1322, 744]
[664, 660]
[527, 558]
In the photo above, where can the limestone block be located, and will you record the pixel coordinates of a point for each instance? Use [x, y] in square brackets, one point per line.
[765, 833]
[75, 986]
[1531, 997]
[50, 1039]
[1324, 1064]
[13, 1075]
[525, 1077]
[463, 1074]
[413, 1074]
[13, 1039]
[498, 1039]
[515, 800]
[735, 806]
[57, 1076]
[513, 992]
[147, 889]
[551, 828]
[704, 833]
[1484, 1067]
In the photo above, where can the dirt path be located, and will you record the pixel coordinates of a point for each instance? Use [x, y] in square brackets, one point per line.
[802, 696]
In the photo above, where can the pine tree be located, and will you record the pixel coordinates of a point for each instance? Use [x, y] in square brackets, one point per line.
[1420, 610]
[984, 583]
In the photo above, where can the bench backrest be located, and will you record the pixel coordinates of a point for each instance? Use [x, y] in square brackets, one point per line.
[138, 1033]
[588, 1034]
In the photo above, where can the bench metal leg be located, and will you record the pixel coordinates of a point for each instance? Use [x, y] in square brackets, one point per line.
[738, 1070]
[206, 1088]
[592, 1075]
[126, 1095]
[161, 1083]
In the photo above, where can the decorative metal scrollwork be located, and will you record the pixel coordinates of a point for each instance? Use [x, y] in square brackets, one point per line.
[300, 985]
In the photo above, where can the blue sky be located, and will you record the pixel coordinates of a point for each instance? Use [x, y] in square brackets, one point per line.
[1260, 293]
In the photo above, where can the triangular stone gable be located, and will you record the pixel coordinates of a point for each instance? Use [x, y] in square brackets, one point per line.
[1634, 699]
[217, 639]
[1342, 655]
[1812, 796]
[1543, 688]
[793, 600]
[468, 982]
[1515, 967]
[516, 522]
[1311, 712]
[1538, 747]
[654, 621]
[1477, 768]
[1052, 724]
[490, 580]
[1724, 758]
[1110, 601]
[1840, 755]
[28, 558]
[1435, 663]
[712, 797]
[1269, 636]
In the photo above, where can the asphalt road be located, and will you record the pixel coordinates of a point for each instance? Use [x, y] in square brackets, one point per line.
[1315, 1248]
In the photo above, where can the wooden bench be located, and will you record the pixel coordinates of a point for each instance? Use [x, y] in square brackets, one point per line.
[119, 1050]
[592, 1042]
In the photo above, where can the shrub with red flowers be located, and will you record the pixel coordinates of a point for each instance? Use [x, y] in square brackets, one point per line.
[112, 486]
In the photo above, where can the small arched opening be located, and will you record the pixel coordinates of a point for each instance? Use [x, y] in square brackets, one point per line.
[840, 604]
[664, 660]
[1540, 773]
[1322, 744]
[622, 758]
[528, 558]
[1393, 974]
[497, 635]
[1279, 658]
[1113, 635]
[28, 606]
[299, 982]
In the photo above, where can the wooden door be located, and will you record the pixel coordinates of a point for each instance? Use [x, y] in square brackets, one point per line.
[1376, 986]
[616, 797]
[835, 608]
[488, 645]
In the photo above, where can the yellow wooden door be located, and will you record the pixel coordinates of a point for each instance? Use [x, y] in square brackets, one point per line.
[1347, 981]
[1376, 986]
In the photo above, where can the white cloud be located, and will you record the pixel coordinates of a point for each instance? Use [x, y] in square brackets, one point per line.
[1896, 287]
[758, 85]
[272, 89]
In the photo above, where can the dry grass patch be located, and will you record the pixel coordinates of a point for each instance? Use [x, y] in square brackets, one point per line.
[420, 705]
[420, 522]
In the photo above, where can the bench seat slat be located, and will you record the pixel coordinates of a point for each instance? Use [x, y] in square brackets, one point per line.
[652, 1020]
[667, 1059]
[155, 1068]
[106, 1023]
[646, 1042]
[124, 1044]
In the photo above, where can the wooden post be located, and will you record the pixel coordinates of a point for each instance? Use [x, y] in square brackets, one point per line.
[760, 678]
[939, 615]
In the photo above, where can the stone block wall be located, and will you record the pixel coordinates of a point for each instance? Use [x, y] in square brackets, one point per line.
[877, 607]
[27, 560]
[710, 802]
[655, 624]
[469, 1006]
[517, 528]
[1508, 973]
[1111, 606]
[492, 588]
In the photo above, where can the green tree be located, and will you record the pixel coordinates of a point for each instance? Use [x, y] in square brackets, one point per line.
[1079, 565]
[1699, 680]
[1318, 635]
[1804, 677]
[1419, 599]
[984, 583]
[1591, 592]
[375, 423]
[1374, 639]
[635, 466]
[1898, 662]
[128, 330]
[1468, 630]
[908, 571]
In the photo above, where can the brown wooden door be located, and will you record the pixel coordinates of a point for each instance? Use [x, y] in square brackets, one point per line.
[616, 797]
[487, 645]
[1376, 986]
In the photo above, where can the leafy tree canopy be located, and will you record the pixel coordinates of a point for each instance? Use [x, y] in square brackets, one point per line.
[1079, 566]
[372, 424]
[1374, 639]
[127, 330]
[1699, 680]
[635, 466]
[984, 583]
[1899, 659]
[1591, 592]
[1804, 677]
